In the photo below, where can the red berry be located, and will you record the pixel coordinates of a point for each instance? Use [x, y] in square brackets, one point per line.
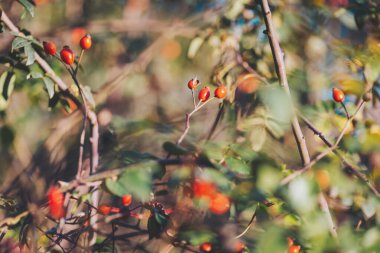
[206, 247]
[49, 48]
[294, 249]
[193, 83]
[104, 209]
[338, 95]
[239, 247]
[67, 55]
[56, 200]
[204, 94]
[219, 204]
[126, 199]
[86, 42]
[203, 189]
[220, 92]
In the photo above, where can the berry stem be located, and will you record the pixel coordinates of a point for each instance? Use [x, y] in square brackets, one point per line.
[79, 61]
[193, 95]
[188, 116]
[345, 109]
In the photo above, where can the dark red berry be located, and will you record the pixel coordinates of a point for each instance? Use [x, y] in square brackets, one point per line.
[86, 42]
[67, 55]
[204, 94]
[49, 48]
[193, 83]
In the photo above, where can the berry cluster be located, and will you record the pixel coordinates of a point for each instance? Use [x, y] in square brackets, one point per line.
[204, 93]
[239, 247]
[218, 202]
[126, 201]
[66, 54]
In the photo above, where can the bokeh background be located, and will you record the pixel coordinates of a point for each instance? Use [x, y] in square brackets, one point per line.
[144, 53]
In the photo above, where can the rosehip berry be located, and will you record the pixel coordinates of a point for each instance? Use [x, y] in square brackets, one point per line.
[126, 199]
[206, 247]
[203, 189]
[193, 83]
[49, 48]
[56, 200]
[204, 94]
[338, 95]
[219, 204]
[104, 209]
[294, 249]
[86, 42]
[67, 55]
[220, 92]
[239, 247]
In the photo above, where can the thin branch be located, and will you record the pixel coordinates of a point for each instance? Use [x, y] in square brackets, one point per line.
[354, 169]
[278, 57]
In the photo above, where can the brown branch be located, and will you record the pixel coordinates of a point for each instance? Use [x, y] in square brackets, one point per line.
[325, 152]
[354, 169]
[278, 57]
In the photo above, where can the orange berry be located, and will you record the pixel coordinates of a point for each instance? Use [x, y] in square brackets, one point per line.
[49, 48]
[204, 94]
[86, 42]
[56, 200]
[67, 55]
[219, 204]
[104, 209]
[206, 247]
[193, 83]
[294, 249]
[239, 247]
[338, 95]
[247, 83]
[220, 92]
[126, 199]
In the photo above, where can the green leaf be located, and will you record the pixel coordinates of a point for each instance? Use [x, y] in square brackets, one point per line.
[28, 6]
[34, 75]
[30, 54]
[257, 137]
[238, 166]
[174, 149]
[136, 180]
[49, 84]
[7, 80]
[19, 42]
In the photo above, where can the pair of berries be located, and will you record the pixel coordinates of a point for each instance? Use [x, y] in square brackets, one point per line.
[292, 248]
[126, 200]
[66, 54]
[207, 247]
[218, 202]
[204, 93]
[56, 201]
